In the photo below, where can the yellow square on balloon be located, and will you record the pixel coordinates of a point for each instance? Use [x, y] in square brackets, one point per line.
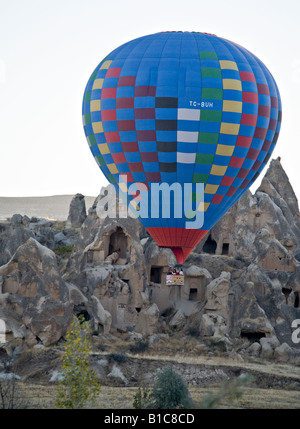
[228, 65]
[106, 65]
[232, 84]
[98, 83]
[224, 150]
[211, 189]
[97, 127]
[112, 168]
[103, 147]
[218, 170]
[95, 105]
[206, 205]
[228, 128]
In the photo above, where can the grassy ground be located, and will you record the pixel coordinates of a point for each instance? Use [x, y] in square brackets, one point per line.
[275, 385]
[43, 397]
[225, 394]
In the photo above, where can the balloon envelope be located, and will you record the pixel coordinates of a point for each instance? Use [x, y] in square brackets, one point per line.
[182, 124]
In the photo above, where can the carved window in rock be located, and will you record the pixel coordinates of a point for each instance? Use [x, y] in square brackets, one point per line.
[193, 295]
[155, 274]
[225, 249]
[118, 242]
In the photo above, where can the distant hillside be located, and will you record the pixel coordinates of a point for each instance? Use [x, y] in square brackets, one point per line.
[53, 207]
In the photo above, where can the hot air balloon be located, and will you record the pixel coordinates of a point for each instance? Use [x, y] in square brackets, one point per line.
[181, 111]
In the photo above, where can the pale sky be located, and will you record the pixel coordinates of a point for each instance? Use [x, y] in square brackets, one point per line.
[49, 48]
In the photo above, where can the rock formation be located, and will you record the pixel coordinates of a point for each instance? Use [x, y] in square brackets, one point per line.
[34, 299]
[77, 212]
[241, 281]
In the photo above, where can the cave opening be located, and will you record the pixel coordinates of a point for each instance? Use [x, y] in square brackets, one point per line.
[79, 310]
[210, 246]
[252, 336]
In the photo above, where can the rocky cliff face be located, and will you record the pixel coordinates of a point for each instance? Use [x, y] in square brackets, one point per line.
[33, 300]
[263, 231]
[242, 280]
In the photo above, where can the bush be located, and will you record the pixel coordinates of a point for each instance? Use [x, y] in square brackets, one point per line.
[231, 389]
[10, 393]
[64, 250]
[117, 357]
[142, 398]
[139, 346]
[218, 345]
[169, 392]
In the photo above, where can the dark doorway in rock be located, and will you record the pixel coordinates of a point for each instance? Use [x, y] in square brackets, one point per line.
[193, 295]
[225, 249]
[253, 336]
[297, 303]
[155, 274]
[286, 292]
[118, 243]
[210, 246]
[80, 311]
[90, 256]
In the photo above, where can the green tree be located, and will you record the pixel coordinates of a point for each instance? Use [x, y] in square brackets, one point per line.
[169, 392]
[79, 383]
